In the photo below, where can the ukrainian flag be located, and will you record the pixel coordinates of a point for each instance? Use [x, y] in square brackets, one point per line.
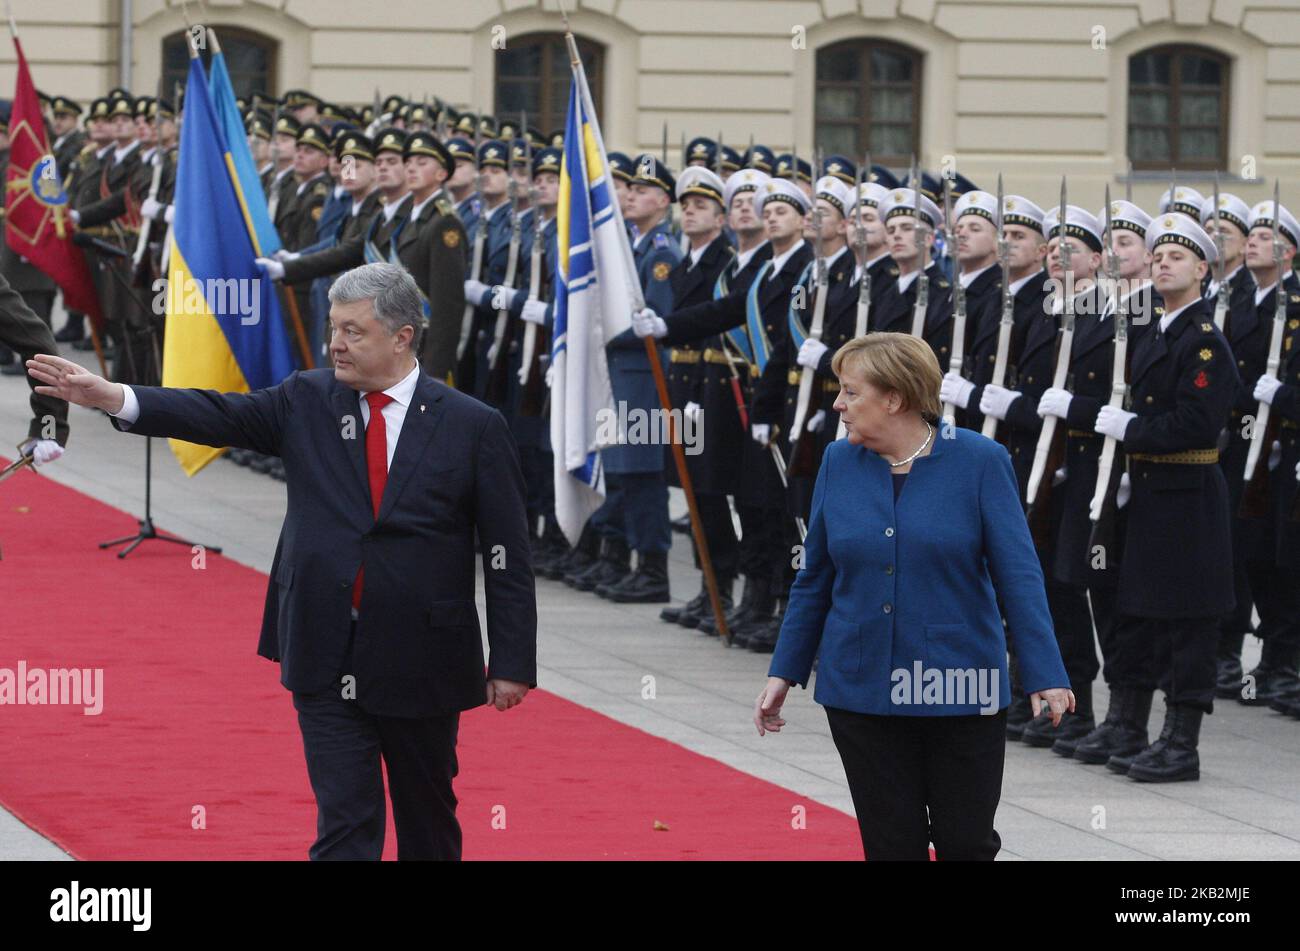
[239, 159]
[224, 330]
[596, 292]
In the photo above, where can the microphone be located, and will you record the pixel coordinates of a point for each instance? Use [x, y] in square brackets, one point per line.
[83, 240]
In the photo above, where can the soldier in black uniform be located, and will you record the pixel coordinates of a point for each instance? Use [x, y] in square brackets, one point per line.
[699, 387]
[1247, 335]
[1275, 553]
[27, 335]
[82, 186]
[1176, 577]
[899, 210]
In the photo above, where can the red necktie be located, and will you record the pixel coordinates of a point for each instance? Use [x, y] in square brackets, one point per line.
[376, 466]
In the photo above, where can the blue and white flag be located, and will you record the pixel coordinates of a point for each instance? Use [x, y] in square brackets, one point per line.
[596, 292]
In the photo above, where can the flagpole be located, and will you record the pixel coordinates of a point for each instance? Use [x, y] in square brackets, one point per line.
[652, 353]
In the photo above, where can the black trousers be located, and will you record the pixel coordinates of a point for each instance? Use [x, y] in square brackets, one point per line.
[917, 780]
[1175, 655]
[719, 534]
[343, 744]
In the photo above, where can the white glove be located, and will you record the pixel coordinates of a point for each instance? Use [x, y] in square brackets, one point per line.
[75, 216]
[1058, 476]
[44, 450]
[762, 433]
[810, 354]
[692, 411]
[1297, 471]
[170, 213]
[274, 269]
[474, 291]
[1113, 421]
[282, 255]
[492, 353]
[503, 298]
[150, 208]
[817, 422]
[534, 312]
[1266, 388]
[955, 389]
[996, 400]
[1054, 402]
[1123, 492]
[550, 376]
[1275, 456]
[646, 323]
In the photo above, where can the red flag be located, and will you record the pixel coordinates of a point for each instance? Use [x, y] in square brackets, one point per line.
[37, 224]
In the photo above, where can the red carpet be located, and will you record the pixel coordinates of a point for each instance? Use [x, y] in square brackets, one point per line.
[193, 721]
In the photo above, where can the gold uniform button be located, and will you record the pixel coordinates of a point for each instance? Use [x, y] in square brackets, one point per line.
[993, 357]
[1151, 399]
[1241, 363]
[1030, 380]
[1092, 375]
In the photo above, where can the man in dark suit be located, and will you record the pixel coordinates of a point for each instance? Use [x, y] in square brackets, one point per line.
[370, 610]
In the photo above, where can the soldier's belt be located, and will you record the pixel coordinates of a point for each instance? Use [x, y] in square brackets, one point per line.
[99, 231]
[712, 355]
[1082, 434]
[1189, 457]
[828, 386]
[684, 356]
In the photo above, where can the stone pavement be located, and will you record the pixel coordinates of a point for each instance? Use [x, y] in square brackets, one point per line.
[1246, 805]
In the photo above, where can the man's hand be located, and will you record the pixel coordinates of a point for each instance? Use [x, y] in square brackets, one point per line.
[996, 400]
[646, 323]
[41, 450]
[1266, 388]
[274, 269]
[810, 353]
[956, 389]
[1113, 421]
[504, 694]
[474, 291]
[762, 433]
[72, 382]
[1054, 402]
[767, 708]
[1057, 700]
[534, 311]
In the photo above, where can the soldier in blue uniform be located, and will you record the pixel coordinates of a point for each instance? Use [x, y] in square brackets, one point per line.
[1274, 557]
[1176, 577]
[493, 167]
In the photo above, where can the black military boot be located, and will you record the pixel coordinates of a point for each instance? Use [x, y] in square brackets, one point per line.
[1227, 662]
[1124, 731]
[1177, 759]
[1075, 726]
[733, 614]
[692, 618]
[673, 613]
[647, 585]
[1121, 762]
[72, 331]
[1039, 731]
[762, 638]
[577, 559]
[610, 566]
[1274, 677]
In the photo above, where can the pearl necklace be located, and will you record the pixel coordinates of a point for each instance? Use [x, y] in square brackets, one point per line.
[929, 433]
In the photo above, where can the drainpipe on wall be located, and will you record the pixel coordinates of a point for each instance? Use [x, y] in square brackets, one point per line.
[124, 34]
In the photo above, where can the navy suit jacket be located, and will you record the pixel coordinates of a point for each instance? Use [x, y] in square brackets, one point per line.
[418, 649]
[886, 586]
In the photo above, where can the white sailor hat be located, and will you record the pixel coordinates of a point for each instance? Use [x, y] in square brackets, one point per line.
[902, 201]
[698, 180]
[1078, 224]
[1185, 201]
[1231, 208]
[976, 203]
[1176, 228]
[782, 189]
[872, 194]
[1261, 216]
[1127, 216]
[832, 190]
[1018, 210]
[745, 180]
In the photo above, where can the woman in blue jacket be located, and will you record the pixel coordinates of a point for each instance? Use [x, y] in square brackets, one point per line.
[916, 534]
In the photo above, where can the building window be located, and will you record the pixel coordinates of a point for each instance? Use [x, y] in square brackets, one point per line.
[869, 99]
[533, 77]
[250, 60]
[1178, 108]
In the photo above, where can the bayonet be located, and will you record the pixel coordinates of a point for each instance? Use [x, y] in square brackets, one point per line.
[1274, 363]
[1007, 323]
[1220, 267]
[1118, 387]
[480, 241]
[955, 359]
[923, 279]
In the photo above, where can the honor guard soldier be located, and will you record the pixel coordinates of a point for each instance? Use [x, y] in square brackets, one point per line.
[760, 157]
[1067, 493]
[460, 186]
[1274, 555]
[68, 139]
[432, 247]
[699, 384]
[1176, 576]
[635, 472]
[1182, 200]
[494, 206]
[702, 151]
[975, 241]
[729, 163]
[1135, 293]
[257, 124]
[756, 305]
[313, 187]
[621, 169]
[837, 166]
[303, 106]
[1248, 336]
[795, 170]
[902, 210]
[83, 190]
[280, 190]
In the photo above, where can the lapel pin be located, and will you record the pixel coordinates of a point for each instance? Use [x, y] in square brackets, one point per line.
[421, 407]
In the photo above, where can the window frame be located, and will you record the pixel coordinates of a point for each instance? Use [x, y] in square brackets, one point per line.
[1173, 127]
[228, 35]
[549, 92]
[861, 124]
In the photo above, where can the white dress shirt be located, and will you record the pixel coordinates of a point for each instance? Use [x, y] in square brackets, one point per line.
[394, 413]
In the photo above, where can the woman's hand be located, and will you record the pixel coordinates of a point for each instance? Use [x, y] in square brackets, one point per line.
[767, 708]
[1058, 700]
